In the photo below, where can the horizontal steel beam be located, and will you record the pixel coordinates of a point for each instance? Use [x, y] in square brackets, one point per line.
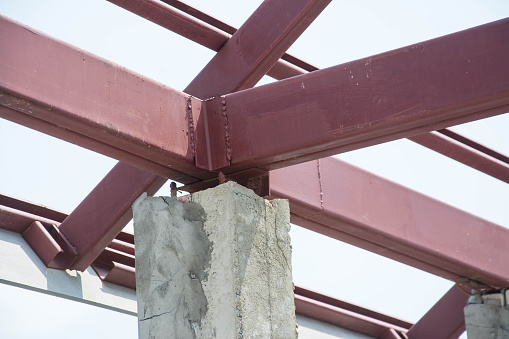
[109, 108]
[343, 318]
[351, 307]
[467, 152]
[431, 85]
[183, 25]
[346, 203]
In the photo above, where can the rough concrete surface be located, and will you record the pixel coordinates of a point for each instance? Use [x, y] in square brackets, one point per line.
[217, 266]
[487, 316]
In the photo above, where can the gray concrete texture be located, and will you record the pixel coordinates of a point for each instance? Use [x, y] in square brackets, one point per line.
[215, 266]
[487, 316]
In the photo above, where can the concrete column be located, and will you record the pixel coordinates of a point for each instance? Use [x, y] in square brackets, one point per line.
[216, 266]
[487, 316]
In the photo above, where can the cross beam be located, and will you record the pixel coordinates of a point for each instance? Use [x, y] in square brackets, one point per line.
[431, 85]
[344, 202]
[175, 116]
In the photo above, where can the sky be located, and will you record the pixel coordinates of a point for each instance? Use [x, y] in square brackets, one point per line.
[48, 171]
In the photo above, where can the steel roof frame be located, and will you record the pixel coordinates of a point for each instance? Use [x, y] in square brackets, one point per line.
[473, 105]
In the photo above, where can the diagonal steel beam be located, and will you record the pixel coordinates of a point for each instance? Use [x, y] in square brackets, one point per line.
[74, 227]
[445, 320]
[431, 85]
[346, 203]
[200, 31]
[251, 51]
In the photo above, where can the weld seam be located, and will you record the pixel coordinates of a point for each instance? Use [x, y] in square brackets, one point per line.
[227, 131]
[320, 183]
[190, 125]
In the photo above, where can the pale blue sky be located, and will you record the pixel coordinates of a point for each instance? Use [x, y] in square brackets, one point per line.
[45, 170]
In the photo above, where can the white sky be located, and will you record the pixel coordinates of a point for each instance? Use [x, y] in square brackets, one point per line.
[45, 170]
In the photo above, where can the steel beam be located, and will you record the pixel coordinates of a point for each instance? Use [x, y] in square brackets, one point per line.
[445, 320]
[244, 59]
[467, 152]
[255, 47]
[200, 31]
[343, 318]
[26, 206]
[344, 202]
[351, 307]
[194, 12]
[112, 107]
[281, 70]
[105, 211]
[431, 85]
[113, 194]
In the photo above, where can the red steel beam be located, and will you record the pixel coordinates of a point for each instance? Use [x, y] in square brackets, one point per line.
[343, 318]
[255, 47]
[231, 30]
[475, 145]
[351, 307]
[114, 107]
[29, 207]
[194, 30]
[18, 221]
[454, 79]
[106, 210]
[113, 194]
[346, 203]
[467, 152]
[445, 320]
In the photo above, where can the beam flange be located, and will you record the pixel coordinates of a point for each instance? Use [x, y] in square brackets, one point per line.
[431, 85]
[344, 202]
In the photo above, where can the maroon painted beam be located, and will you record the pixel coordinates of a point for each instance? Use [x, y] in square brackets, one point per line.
[194, 12]
[111, 107]
[113, 195]
[431, 85]
[212, 38]
[445, 320]
[261, 41]
[466, 151]
[18, 221]
[351, 307]
[346, 203]
[466, 155]
[29, 207]
[195, 30]
[109, 204]
[343, 318]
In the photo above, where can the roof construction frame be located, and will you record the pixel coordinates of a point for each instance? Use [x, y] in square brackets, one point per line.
[202, 137]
